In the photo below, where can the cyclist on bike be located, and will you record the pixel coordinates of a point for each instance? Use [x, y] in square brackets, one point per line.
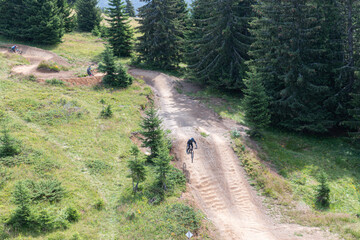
[190, 144]
[89, 71]
[13, 48]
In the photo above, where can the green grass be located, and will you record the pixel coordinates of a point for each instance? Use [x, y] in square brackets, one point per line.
[287, 166]
[62, 137]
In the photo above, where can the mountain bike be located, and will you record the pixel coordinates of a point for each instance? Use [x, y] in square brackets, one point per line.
[191, 151]
[16, 51]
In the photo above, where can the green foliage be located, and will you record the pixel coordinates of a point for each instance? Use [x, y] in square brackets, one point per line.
[72, 215]
[88, 15]
[161, 43]
[21, 218]
[106, 112]
[323, 192]
[120, 33]
[220, 41]
[55, 82]
[256, 103]
[162, 164]
[137, 168]
[303, 81]
[129, 8]
[5, 176]
[39, 21]
[116, 75]
[181, 219]
[97, 166]
[51, 66]
[99, 204]
[46, 190]
[8, 146]
[151, 132]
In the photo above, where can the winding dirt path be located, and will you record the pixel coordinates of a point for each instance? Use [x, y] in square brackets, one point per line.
[217, 182]
[36, 55]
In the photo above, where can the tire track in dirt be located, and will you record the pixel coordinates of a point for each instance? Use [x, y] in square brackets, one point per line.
[217, 182]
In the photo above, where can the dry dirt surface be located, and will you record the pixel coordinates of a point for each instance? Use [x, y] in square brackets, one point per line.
[217, 183]
[36, 55]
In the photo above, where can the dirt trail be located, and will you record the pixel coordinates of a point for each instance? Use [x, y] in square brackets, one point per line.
[36, 55]
[217, 182]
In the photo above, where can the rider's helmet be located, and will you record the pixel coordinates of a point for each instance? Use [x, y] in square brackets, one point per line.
[192, 139]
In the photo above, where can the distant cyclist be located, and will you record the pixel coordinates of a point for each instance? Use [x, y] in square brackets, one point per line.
[190, 145]
[14, 48]
[89, 71]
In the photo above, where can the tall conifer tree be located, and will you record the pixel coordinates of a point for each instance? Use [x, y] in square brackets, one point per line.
[120, 33]
[221, 52]
[129, 8]
[297, 55]
[88, 15]
[161, 43]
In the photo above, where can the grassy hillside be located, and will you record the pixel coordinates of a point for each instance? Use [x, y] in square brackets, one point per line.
[286, 167]
[64, 140]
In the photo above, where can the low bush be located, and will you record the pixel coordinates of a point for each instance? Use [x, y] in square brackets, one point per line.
[51, 66]
[181, 219]
[99, 204]
[72, 215]
[8, 145]
[55, 81]
[97, 166]
[47, 190]
[106, 112]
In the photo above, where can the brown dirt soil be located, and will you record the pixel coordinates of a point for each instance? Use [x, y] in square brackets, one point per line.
[36, 55]
[216, 182]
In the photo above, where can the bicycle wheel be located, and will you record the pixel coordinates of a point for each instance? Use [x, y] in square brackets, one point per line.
[192, 155]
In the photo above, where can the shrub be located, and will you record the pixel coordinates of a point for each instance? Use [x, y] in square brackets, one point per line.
[8, 146]
[181, 218]
[323, 192]
[55, 81]
[48, 190]
[100, 204]
[106, 112]
[72, 215]
[51, 66]
[235, 133]
[97, 166]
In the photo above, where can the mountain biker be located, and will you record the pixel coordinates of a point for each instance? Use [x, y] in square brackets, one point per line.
[190, 144]
[13, 48]
[89, 71]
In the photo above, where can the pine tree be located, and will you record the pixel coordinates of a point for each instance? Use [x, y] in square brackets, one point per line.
[12, 19]
[160, 45]
[120, 33]
[354, 122]
[45, 20]
[129, 9]
[297, 54]
[223, 48]
[323, 192]
[21, 218]
[88, 15]
[152, 132]
[137, 168]
[256, 103]
[7, 145]
[116, 75]
[162, 163]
